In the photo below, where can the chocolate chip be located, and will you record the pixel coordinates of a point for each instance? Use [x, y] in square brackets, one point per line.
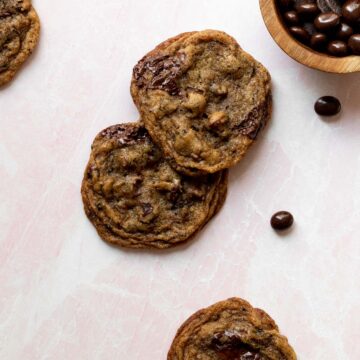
[228, 345]
[354, 44]
[159, 72]
[147, 208]
[125, 134]
[337, 48]
[351, 11]
[4, 67]
[327, 106]
[282, 220]
[327, 21]
[252, 124]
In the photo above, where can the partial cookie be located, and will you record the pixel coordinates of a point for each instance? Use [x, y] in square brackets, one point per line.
[230, 330]
[202, 99]
[135, 199]
[19, 34]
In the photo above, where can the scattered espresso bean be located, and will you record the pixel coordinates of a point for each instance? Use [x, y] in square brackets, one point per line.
[337, 48]
[300, 33]
[327, 21]
[318, 41]
[292, 17]
[344, 32]
[354, 44]
[282, 220]
[327, 106]
[351, 11]
[307, 10]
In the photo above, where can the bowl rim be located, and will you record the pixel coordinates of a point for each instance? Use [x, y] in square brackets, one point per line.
[299, 52]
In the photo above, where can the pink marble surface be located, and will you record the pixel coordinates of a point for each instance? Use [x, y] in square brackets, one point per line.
[64, 294]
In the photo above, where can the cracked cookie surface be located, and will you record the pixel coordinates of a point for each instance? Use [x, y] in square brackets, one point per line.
[202, 99]
[230, 330]
[135, 199]
[19, 34]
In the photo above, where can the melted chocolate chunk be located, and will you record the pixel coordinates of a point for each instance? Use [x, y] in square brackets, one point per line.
[229, 346]
[125, 134]
[159, 72]
[253, 124]
[147, 209]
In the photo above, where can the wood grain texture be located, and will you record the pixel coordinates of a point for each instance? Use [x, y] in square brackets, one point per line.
[300, 52]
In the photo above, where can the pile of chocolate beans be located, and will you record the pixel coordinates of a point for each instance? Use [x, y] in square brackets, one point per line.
[327, 26]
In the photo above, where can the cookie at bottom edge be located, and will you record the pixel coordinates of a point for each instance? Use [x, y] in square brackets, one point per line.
[230, 330]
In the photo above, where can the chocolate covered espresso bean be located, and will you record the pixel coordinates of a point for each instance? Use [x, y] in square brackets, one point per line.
[282, 220]
[351, 11]
[327, 106]
[318, 41]
[327, 21]
[327, 26]
[337, 48]
[344, 32]
[292, 18]
[354, 44]
[300, 33]
[307, 10]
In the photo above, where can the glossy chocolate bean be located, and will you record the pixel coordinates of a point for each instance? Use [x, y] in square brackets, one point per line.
[351, 11]
[285, 3]
[327, 106]
[282, 220]
[324, 25]
[318, 41]
[307, 10]
[337, 48]
[344, 32]
[354, 44]
[300, 33]
[327, 21]
[292, 18]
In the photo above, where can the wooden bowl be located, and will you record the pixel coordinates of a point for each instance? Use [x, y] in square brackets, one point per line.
[299, 52]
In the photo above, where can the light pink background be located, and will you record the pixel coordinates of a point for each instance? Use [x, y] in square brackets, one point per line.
[64, 294]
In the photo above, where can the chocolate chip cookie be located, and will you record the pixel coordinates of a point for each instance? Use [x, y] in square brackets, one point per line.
[135, 199]
[19, 34]
[230, 330]
[202, 99]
